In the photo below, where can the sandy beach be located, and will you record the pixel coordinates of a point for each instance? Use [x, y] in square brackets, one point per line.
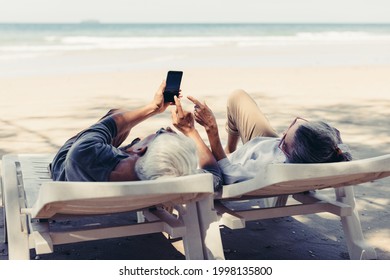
[47, 99]
[40, 113]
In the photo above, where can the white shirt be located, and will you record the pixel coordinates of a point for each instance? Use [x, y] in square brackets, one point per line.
[250, 159]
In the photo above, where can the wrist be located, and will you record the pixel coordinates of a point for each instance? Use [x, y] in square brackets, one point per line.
[213, 136]
[153, 108]
[191, 133]
[212, 130]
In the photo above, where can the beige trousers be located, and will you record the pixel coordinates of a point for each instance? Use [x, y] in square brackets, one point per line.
[245, 119]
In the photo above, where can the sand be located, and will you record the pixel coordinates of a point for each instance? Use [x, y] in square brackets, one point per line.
[38, 113]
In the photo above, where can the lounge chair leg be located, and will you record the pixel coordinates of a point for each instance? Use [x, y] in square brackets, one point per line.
[18, 247]
[357, 245]
[192, 239]
[17, 234]
[4, 239]
[210, 232]
[42, 239]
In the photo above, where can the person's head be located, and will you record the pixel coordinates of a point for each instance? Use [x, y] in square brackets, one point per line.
[312, 142]
[166, 155]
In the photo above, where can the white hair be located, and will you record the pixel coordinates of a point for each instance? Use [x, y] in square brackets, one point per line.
[169, 155]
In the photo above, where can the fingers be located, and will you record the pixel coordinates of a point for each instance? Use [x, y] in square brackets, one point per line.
[179, 108]
[161, 88]
[180, 113]
[174, 117]
[198, 104]
[195, 101]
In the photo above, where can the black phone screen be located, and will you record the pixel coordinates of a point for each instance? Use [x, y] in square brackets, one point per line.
[172, 86]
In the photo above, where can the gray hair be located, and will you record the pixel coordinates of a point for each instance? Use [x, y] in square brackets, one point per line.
[317, 142]
[169, 155]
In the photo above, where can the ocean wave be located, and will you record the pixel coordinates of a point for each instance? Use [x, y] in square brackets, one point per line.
[88, 43]
[342, 36]
[196, 41]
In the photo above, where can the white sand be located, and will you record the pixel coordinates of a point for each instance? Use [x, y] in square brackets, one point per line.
[54, 107]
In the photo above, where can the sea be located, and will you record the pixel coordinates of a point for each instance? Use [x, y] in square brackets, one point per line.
[26, 49]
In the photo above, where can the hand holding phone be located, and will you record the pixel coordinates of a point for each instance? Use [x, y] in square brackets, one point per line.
[172, 87]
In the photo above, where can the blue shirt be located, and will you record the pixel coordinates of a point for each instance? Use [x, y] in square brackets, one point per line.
[89, 156]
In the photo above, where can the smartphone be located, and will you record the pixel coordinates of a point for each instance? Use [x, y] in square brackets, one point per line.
[172, 86]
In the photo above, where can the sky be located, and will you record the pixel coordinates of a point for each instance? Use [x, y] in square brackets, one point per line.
[209, 11]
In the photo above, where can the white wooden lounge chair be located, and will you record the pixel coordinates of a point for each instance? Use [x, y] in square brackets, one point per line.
[301, 181]
[32, 199]
[3, 239]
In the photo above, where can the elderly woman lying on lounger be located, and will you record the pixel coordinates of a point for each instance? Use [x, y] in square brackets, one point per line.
[303, 142]
[94, 153]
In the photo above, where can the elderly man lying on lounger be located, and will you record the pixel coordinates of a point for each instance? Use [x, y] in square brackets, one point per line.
[94, 153]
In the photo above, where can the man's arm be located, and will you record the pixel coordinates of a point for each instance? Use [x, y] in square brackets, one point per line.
[232, 143]
[125, 120]
[205, 117]
[184, 121]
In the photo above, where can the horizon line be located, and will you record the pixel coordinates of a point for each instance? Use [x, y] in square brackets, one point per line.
[91, 22]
